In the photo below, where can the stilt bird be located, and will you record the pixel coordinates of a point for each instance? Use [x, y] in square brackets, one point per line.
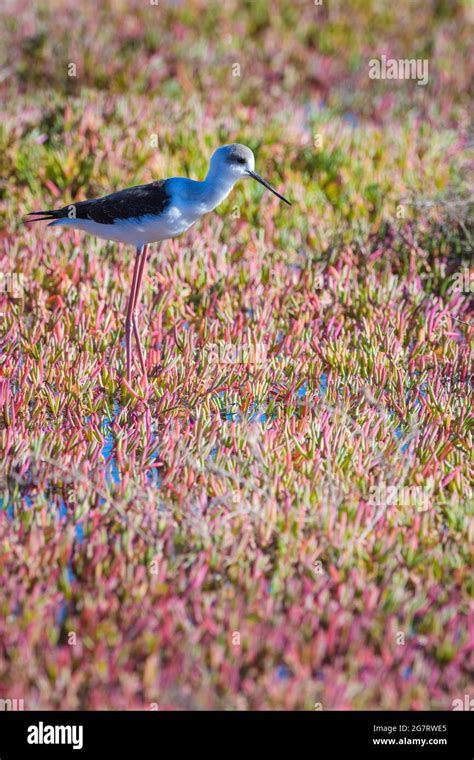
[158, 211]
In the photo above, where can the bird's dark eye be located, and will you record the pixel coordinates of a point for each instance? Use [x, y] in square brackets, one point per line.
[240, 160]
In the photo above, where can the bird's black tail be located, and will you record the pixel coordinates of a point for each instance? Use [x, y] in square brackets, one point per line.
[42, 216]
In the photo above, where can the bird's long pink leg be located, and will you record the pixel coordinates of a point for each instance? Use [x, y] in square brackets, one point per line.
[128, 320]
[141, 272]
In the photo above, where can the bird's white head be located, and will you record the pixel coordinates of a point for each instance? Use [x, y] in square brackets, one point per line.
[231, 162]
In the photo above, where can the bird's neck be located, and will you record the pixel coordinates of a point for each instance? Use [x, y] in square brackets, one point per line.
[215, 188]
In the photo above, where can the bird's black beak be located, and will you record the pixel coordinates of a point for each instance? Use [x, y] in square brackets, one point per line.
[267, 185]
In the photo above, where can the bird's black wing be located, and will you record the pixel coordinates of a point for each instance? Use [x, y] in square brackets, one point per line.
[133, 202]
